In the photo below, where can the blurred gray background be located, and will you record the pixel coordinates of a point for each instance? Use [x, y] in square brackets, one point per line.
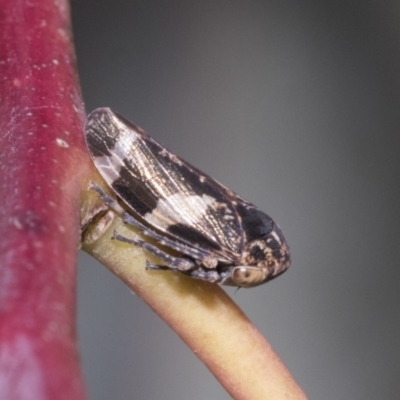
[295, 106]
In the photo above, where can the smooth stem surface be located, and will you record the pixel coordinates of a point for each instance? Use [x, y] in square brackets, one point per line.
[204, 316]
[42, 163]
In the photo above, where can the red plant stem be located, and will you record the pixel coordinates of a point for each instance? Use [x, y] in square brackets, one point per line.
[42, 164]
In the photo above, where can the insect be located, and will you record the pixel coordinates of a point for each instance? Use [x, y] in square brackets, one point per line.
[219, 236]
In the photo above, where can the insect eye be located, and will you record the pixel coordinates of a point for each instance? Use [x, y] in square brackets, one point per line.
[248, 276]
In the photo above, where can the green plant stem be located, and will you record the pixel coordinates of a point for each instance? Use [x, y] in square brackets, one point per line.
[203, 315]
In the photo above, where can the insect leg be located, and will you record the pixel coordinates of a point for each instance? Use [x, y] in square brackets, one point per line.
[198, 273]
[174, 263]
[204, 274]
[163, 240]
[130, 220]
[107, 200]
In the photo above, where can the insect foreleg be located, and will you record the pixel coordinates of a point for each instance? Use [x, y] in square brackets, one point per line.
[205, 275]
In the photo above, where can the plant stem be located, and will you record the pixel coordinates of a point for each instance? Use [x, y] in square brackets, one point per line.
[43, 163]
[202, 314]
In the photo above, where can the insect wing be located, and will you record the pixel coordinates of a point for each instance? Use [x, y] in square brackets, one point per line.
[166, 191]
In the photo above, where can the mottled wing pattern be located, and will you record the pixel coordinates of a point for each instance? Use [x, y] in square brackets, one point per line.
[166, 191]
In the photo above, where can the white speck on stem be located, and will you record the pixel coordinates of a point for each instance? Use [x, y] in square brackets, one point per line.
[62, 143]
